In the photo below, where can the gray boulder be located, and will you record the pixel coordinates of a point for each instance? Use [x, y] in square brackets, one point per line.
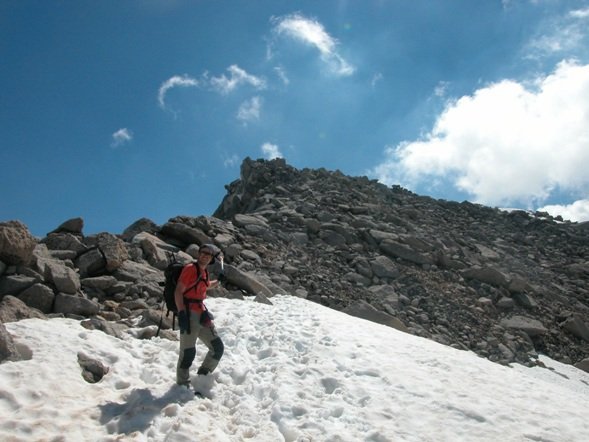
[38, 296]
[113, 249]
[249, 220]
[488, 275]
[366, 311]
[16, 243]
[15, 284]
[13, 309]
[532, 327]
[156, 251]
[246, 282]
[91, 263]
[185, 234]
[142, 225]
[55, 271]
[383, 267]
[75, 305]
[92, 369]
[110, 328]
[576, 326]
[8, 351]
[584, 364]
[65, 279]
[73, 225]
[398, 250]
[64, 241]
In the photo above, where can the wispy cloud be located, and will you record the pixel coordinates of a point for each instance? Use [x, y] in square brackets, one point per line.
[270, 151]
[121, 136]
[376, 78]
[580, 13]
[565, 35]
[175, 81]
[441, 88]
[237, 77]
[231, 161]
[282, 75]
[507, 143]
[312, 32]
[250, 110]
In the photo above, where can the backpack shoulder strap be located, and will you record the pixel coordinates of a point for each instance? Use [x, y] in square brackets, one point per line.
[198, 277]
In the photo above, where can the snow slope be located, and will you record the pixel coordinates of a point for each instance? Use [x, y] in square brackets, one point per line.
[294, 371]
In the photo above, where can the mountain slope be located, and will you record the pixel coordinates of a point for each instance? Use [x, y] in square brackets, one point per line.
[292, 371]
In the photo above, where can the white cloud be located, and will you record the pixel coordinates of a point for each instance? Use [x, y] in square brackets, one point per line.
[441, 89]
[237, 77]
[271, 151]
[576, 212]
[121, 137]
[507, 143]
[580, 13]
[282, 75]
[175, 81]
[313, 33]
[250, 110]
[376, 78]
[231, 161]
[566, 34]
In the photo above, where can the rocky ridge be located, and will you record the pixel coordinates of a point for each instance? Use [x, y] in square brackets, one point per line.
[506, 286]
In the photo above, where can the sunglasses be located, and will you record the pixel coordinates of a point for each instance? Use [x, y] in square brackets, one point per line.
[206, 253]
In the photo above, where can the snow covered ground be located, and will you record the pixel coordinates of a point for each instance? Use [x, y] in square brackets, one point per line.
[294, 371]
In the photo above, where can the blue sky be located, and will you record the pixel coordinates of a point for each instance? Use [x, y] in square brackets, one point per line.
[117, 110]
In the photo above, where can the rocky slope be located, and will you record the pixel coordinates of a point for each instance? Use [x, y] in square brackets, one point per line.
[504, 285]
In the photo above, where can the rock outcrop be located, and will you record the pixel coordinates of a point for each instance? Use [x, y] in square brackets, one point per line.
[506, 285]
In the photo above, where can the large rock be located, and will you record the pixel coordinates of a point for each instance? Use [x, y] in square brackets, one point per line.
[16, 243]
[397, 250]
[73, 225]
[249, 220]
[383, 267]
[103, 283]
[11, 350]
[532, 327]
[113, 249]
[157, 252]
[8, 351]
[13, 309]
[488, 275]
[55, 271]
[75, 305]
[576, 326]
[584, 364]
[133, 272]
[185, 234]
[15, 284]
[142, 225]
[64, 241]
[92, 369]
[65, 279]
[366, 311]
[91, 263]
[110, 328]
[38, 296]
[246, 282]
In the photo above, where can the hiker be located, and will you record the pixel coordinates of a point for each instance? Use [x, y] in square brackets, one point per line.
[194, 320]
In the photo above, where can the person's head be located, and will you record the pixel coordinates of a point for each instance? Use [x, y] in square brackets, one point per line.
[206, 254]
